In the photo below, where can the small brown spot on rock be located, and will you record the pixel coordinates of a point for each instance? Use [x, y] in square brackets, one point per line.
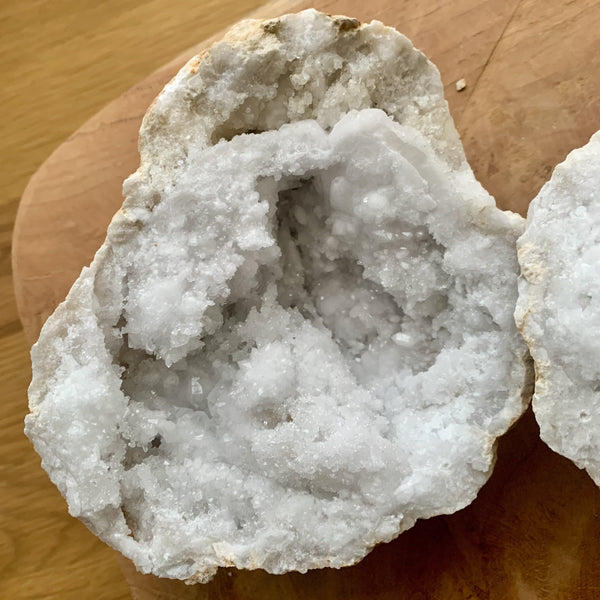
[194, 64]
[272, 26]
[347, 24]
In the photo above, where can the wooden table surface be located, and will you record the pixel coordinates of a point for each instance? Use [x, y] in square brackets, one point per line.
[61, 62]
[538, 60]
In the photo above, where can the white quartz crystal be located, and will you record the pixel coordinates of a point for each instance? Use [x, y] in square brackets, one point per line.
[295, 342]
[559, 306]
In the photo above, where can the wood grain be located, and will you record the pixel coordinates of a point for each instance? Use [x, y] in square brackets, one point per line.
[533, 87]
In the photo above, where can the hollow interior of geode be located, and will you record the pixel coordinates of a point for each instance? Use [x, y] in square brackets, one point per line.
[302, 366]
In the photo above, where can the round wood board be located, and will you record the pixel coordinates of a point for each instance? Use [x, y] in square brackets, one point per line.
[532, 69]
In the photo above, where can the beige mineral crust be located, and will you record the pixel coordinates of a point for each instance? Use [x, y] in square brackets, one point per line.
[297, 338]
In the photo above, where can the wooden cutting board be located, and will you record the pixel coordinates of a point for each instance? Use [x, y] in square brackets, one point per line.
[532, 72]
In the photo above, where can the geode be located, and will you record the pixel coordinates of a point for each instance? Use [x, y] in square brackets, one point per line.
[298, 336]
[559, 306]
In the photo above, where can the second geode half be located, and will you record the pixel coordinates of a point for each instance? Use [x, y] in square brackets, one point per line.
[558, 309]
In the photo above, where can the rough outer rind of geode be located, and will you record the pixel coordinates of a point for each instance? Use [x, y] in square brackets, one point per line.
[558, 310]
[295, 343]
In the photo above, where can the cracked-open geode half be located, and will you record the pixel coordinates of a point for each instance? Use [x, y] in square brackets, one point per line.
[558, 309]
[293, 343]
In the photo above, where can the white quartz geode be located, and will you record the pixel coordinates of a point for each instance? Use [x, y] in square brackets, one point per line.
[295, 342]
[558, 309]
